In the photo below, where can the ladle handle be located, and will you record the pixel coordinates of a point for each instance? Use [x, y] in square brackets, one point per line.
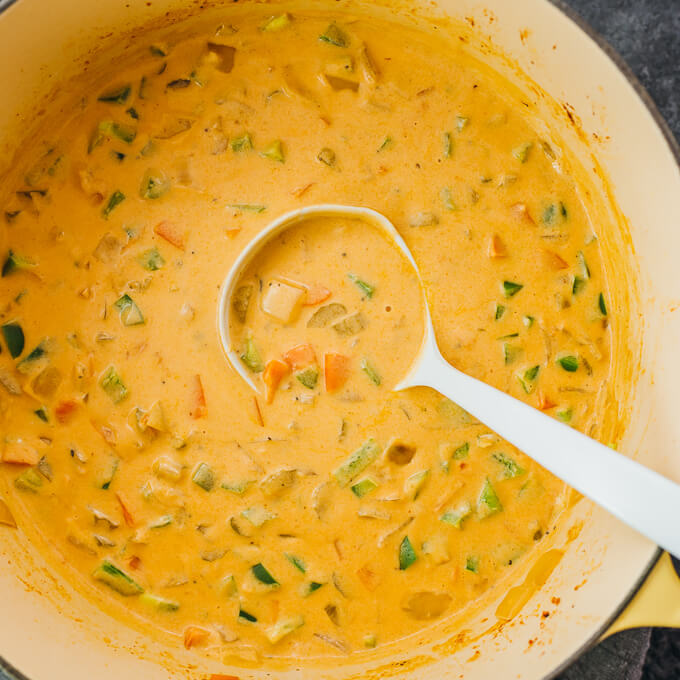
[642, 498]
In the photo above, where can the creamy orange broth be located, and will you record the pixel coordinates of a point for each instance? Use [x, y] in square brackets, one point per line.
[246, 523]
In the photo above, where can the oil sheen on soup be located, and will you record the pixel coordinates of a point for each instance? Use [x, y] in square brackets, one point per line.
[325, 515]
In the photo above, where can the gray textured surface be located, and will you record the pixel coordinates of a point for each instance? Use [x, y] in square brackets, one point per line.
[646, 33]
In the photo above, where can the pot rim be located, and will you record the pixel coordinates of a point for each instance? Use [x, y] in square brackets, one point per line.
[12, 673]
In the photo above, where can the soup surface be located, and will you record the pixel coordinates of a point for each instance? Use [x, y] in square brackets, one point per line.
[327, 515]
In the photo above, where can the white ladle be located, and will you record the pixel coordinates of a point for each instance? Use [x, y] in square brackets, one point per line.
[640, 497]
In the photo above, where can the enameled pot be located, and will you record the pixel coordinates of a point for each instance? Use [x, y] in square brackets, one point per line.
[596, 565]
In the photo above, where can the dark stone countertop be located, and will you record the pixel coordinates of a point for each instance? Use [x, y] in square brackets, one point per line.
[646, 33]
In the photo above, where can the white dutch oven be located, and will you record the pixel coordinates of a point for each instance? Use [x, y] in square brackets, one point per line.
[48, 631]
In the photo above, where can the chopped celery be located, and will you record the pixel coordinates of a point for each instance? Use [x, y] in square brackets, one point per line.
[151, 259]
[363, 487]
[159, 603]
[527, 378]
[472, 564]
[326, 156]
[277, 23]
[370, 641]
[113, 385]
[296, 562]
[414, 484]
[107, 474]
[368, 368]
[283, 627]
[125, 133]
[578, 285]
[602, 306]
[257, 515]
[263, 576]
[35, 358]
[584, 270]
[565, 415]
[130, 314]
[407, 555]
[243, 615]
[29, 480]
[274, 151]
[15, 262]
[116, 198]
[162, 522]
[568, 362]
[499, 311]
[306, 589]
[511, 468]
[14, 338]
[447, 149]
[462, 451]
[324, 315]
[447, 199]
[357, 462]
[117, 579]
[204, 476]
[239, 488]
[510, 288]
[248, 207]
[510, 352]
[242, 143]
[228, 585]
[117, 95]
[241, 302]
[366, 288]
[350, 325]
[334, 35]
[528, 321]
[461, 123]
[456, 516]
[251, 357]
[521, 152]
[488, 503]
[309, 377]
[155, 183]
[554, 211]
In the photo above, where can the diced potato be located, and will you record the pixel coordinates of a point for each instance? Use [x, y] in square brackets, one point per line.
[426, 605]
[20, 453]
[283, 301]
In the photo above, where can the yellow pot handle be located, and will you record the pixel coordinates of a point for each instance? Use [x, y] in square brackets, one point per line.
[657, 603]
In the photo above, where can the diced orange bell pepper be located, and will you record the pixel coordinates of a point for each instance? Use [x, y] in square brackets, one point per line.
[553, 260]
[545, 402]
[300, 356]
[220, 676]
[274, 372]
[335, 370]
[199, 408]
[171, 233]
[64, 410]
[496, 247]
[316, 294]
[125, 508]
[193, 636]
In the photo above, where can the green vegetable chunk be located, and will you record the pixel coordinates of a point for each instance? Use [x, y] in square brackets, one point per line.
[368, 368]
[113, 385]
[357, 462]
[42, 414]
[242, 143]
[462, 451]
[498, 314]
[569, 363]
[296, 562]
[243, 615]
[527, 379]
[456, 516]
[15, 262]
[334, 35]
[151, 259]
[159, 603]
[130, 314]
[602, 305]
[117, 95]
[155, 183]
[510, 288]
[326, 156]
[241, 302]
[363, 487]
[309, 377]
[29, 480]
[263, 576]
[407, 555]
[308, 588]
[277, 23]
[204, 476]
[511, 468]
[116, 198]
[365, 288]
[14, 338]
[116, 578]
[274, 151]
[283, 627]
[472, 564]
[521, 152]
[447, 146]
[248, 207]
[251, 357]
[488, 503]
